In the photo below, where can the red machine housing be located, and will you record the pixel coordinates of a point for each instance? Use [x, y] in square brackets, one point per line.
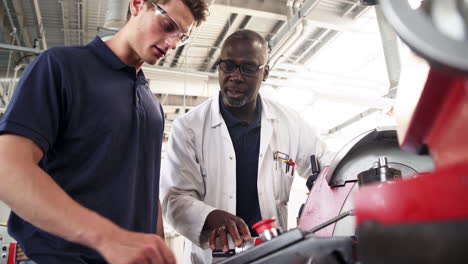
[440, 122]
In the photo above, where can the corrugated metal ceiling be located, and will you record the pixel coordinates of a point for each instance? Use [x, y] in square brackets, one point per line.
[75, 22]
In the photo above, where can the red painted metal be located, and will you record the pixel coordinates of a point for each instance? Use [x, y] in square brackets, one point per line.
[265, 224]
[11, 254]
[440, 122]
[324, 203]
[257, 241]
[441, 195]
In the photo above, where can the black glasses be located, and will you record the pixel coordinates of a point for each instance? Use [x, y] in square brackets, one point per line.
[171, 26]
[248, 69]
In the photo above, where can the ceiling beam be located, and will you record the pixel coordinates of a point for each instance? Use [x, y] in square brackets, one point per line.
[9, 15]
[18, 5]
[40, 23]
[206, 64]
[323, 19]
[319, 43]
[243, 24]
[19, 48]
[5, 27]
[294, 20]
[65, 8]
[79, 31]
[84, 21]
[390, 45]
[277, 11]
[257, 8]
[177, 72]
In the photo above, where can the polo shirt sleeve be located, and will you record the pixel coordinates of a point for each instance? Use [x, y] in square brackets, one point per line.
[36, 109]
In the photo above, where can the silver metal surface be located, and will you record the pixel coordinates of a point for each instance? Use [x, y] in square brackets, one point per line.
[383, 161]
[371, 149]
[360, 154]
[246, 245]
[347, 225]
[416, 28]
[448, 20]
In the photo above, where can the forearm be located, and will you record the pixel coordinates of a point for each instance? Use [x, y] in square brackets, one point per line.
[35, 197]
[187, 216]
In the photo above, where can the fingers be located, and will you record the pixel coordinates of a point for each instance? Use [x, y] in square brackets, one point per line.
[222, 233]
[152, 256]
[244, 230]
[224, 223]
[232, 229]
[165, 253]
[158, 253]
[212, 239]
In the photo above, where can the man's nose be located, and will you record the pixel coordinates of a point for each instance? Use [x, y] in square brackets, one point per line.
[172, 41]
[236, 75]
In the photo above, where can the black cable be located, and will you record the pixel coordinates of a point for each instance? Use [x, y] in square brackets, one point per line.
[331, 221]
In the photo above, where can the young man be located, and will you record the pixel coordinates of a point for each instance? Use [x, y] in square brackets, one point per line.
[80, 144]
[221, 176]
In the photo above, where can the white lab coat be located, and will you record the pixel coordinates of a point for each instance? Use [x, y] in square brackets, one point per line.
[199, 173]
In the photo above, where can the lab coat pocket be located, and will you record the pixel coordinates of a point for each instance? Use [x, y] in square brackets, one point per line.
[283, 182]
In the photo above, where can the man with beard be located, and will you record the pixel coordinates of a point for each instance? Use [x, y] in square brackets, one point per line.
[229, 161]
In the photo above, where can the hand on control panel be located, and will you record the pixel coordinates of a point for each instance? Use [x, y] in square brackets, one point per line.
[222, 223]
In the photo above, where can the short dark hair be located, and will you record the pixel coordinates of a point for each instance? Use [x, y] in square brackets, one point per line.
[198, 8]
[247, 34]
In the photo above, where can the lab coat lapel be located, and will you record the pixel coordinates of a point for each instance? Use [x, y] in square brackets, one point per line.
[266, 132]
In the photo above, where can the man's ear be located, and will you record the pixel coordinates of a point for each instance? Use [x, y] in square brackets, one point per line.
[136, 6]
[266, 71]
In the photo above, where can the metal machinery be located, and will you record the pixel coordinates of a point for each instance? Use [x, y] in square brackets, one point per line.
[424, 219]
[410, 205]
[7, 247]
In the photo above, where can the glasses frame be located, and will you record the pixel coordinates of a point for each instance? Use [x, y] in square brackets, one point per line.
[238, 66]
[183, 37]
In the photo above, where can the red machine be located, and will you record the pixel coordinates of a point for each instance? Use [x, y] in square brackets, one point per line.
[421, 218]
[425, 219]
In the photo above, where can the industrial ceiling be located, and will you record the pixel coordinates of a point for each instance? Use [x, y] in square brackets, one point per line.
[295, 29]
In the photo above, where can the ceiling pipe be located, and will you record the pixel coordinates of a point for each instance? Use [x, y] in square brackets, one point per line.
[287, 48]
[10, 19]
[40, 24]
[84, 21]
[393, 63]
[20, 48]
[19, 12]
[66, 29]
[79, 7]
[116, 18]
[291, 33]
[390, 47]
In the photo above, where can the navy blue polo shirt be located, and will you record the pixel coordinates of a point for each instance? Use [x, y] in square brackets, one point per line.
[245, 138]
[100, 129]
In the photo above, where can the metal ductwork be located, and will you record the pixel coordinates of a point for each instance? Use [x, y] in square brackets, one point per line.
[116, 17]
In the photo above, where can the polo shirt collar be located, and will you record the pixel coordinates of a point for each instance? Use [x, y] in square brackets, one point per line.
[233, 121]
[101, 50]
